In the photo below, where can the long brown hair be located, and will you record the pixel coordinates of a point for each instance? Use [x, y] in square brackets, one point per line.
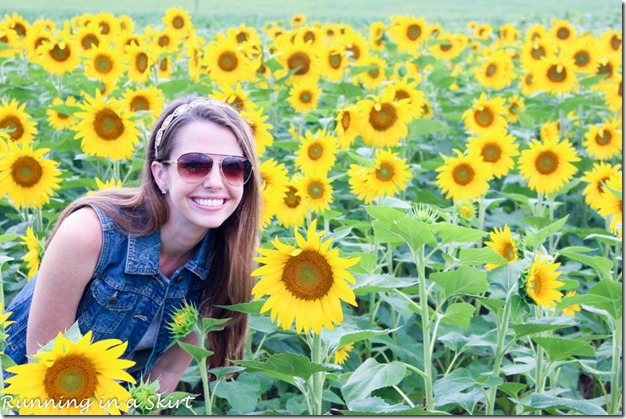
[143, 210]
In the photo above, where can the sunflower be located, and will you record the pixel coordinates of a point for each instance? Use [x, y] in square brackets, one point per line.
[528, 84]
[407, 89]
[9, 40]
[88, 36]
[140, 61]
[334, 62]
[504, 245]
[448, 46]
[108, 24]
[383, 119]
[562, 32]
[584, 53]
[304, 97]
[463, 178]
[149, 100]
[342, 354]
[611, 42]
[610, 205]
[235, 96]
[497, 71]
[194, 50]
[597, 178]
[548, 164]
[58, 119]
[496, 149]
[73, 378]
[33, 255]
[541, 283]
[373, 77]
[106, 129]
[483, 30]
[305, 284]
[316, 151]
[356, 47]
[248, 37]
[59, 54]
[275, 182]
[514, 106]
[309, 35]
[556, 74]
[408, 32]
[17, 123]
[317, 190]
[109, 184]
[347, 127]
[550, 130]
[465, 210]
[126, 24]
[377, 35]
[571, 310]
[604, 141]
[164, 67]
[301, 59]
[297, 20]
[613, 94]
[256, 118]
[485, 115]
[41, 31]
[291, 209]
[509, 35]
[102, 63]
[226, 63]
[535, 33]
[27, 177]
[178, 20]
[389, 176]
[18, 24]
[532, 52]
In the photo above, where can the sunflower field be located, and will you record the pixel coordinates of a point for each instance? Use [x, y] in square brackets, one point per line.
[442, 208]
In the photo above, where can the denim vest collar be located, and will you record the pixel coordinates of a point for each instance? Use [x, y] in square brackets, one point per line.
[144, 254]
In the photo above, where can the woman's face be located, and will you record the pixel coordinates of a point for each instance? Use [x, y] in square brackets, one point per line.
[207, 202]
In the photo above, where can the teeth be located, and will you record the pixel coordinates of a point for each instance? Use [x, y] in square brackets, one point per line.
[209, 202]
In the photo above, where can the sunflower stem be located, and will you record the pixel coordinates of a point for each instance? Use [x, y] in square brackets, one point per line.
[428, 379]
[616, 391]
[317, 379]
[481, 218]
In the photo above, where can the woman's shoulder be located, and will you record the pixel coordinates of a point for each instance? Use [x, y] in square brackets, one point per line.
[82, 227]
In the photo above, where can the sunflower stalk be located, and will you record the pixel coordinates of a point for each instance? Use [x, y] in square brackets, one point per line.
[428, 378]
[316, 382]
[613, 406]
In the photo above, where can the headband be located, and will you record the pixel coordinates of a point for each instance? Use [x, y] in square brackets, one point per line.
[182, 109]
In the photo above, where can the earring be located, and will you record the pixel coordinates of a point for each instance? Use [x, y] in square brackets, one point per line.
[163, 191]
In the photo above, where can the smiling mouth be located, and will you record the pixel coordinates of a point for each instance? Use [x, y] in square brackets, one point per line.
[209, 202]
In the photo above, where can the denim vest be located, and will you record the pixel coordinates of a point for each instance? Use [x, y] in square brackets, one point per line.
[124, 294]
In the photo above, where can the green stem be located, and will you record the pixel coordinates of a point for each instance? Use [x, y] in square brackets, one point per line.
[481, 218]
[502, 329]
[614, 406]
[204, 375]
[428, 379]
[317, 379]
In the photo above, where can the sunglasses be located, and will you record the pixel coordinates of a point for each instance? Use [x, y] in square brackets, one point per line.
[193, 167]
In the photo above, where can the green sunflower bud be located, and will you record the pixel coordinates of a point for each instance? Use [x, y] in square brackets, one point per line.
[145, 396]
[183, 321]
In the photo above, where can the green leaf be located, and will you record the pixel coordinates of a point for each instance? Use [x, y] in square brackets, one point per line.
[7, 237]
[425, 126]
[559, 348]
[532, 327]
[459, 314]
[465, 280]
[358, 69]
[601, 265]
[492, 304]
[480, 256]
[243, 395]
[341, 336]
[213, 325]
[198, 353]
[612, 291]
[285, 366]
[512, 389]
[366, 284]
[451, 233]
[452, 384]
[371, 376]
[536, 238]
[222, 372]
[253, 307]
[542, 401]
[415, 233]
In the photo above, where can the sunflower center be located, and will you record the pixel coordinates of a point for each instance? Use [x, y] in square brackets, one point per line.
[491, 152]
[385, 172]
[309, 36]
[103, 64]
[615, 43]
[60, 54]
[508, 252]
[334, 60]
[513, 108]
[14, 125]
[163, 40]
[538, 52]
[374, 73]
[547, 162]
[605, 69]
[19, 29]
[563, 33]
[308, 276]
[292, 199]
[315, 151]
[463, 174]
[26, 171]
[355, 50]
[345, 120]
[104, 28]
[445, 47]
[528, 80]
[62, 115]
[141, 62]
[163, 64]
[605, 138]
[413, 32]
[89, 41]
[72, 377]
[401, 94]
[305, 97]
[383, 116]
[581, 58]
[316, 190]
[484, 116]
[241, 37]
[139, 103]
[228, 61]
[491, 70]
[178, 22]
[557, 73]
[108, 125]
[37, 42]
[300, 61]
[600, 182]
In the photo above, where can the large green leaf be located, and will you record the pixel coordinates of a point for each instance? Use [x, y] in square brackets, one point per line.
[545, 401]
[285, 366]
[465, 280]
[480, 256]
[415, 233]
[243, 394]
[253, 307]
[371, 376]
[342, 336]
[559, 348]
[451, 233]
[601, 265]
[532, 327]
[536, 238]
[459, 314]
[366, 284]
[198, 353]
[612, 291]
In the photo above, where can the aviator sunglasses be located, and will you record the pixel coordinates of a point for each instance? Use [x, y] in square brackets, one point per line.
[193, 167]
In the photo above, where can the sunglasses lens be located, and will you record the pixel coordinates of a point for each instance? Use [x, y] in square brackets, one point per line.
[236, 170]
[194, 166]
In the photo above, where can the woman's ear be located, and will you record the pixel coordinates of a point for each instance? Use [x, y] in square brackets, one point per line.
[160, 177]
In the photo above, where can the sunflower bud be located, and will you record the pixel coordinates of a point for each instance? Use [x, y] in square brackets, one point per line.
[144, 397]
[183, 321]
[425, 213]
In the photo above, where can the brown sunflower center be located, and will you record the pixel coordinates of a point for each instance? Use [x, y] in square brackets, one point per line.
[178, 22]
[491, 152]
[385, 172]
[355, 50]
[309, 36]
[508, 252]
[19, 29]
[484, 116]
[345, 120]
[14, 125]
[72, 377]
[228, 61]
[300, 61]
[89, 41]
[108, 125]
[315, 151]
[605, 69]
[241, 37]
[582, 58]
[563, 33]
[401, 94]
[164, 64]
[513, 108]
[600, 183]
[105, 28]
[528, 80]
[141, 62]
[163, 40]
[139, 103]
[557, 73]
[383, 116]
[316, 190]
[26, 171]
[463, 174]
[547, 162]
[615, 42]
[604, 137]
[491, 70]
[374, 72]
[306, 97]
[292, 199]
[103, 64]
[445, 46]
[59, 54]
[538, 52]
[308, 276]
[413, 32]
[334, 60]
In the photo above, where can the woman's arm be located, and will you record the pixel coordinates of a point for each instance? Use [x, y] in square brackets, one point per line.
[170, 367]
[66, 268]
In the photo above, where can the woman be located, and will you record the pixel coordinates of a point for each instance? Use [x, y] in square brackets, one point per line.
[121, 261]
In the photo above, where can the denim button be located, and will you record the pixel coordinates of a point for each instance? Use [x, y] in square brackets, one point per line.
[180, 279]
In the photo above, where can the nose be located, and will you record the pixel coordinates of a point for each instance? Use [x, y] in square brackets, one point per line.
[214, 179]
